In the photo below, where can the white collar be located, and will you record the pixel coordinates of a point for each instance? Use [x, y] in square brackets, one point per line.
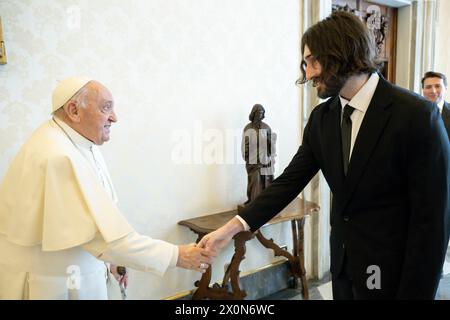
[77, 138]
[441, 105]
[362, 98]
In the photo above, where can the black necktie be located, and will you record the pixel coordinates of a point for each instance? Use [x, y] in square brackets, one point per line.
[346, 135]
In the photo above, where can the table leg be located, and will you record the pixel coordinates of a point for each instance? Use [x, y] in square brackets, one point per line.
[296, 260]
[295, 251]
[204, 291]
[300, 254]
[232, 272]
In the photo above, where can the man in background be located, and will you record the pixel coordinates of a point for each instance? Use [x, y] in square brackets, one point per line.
[434, 87]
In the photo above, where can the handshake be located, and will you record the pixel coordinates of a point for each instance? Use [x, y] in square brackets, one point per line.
[200, 256]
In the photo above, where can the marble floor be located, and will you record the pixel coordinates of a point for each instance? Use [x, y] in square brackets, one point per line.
[321, 289]
[444, 285]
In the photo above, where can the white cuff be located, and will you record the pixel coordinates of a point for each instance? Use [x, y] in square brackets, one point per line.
[173, 262]
[244, 223]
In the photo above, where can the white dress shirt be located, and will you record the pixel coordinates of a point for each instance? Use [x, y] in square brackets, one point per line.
[360, 102]
[441, 105]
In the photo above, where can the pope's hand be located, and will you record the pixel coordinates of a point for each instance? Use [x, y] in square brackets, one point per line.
[192, 257]
[220, 238]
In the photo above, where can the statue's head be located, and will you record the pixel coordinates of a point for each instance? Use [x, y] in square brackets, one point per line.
[257, 113]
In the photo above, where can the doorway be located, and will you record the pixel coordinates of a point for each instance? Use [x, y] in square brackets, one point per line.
[382, 21]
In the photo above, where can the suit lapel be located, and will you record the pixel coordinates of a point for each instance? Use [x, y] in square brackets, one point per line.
[446, 116]
[332, 145]
[371, 129]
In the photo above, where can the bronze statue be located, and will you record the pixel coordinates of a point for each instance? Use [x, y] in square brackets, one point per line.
[258, 151]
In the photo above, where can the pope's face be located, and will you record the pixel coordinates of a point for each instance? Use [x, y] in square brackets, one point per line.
[98, 115]
[434, 89]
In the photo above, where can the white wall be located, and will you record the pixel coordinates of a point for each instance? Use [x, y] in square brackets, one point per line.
[171, 65]
[442, 58]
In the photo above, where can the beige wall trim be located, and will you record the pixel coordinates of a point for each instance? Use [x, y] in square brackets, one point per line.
[416, 42]
[317, 251]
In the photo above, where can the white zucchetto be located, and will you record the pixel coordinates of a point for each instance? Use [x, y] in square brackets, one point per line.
[66, 89]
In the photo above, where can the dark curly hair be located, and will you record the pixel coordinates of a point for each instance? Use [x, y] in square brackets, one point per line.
[342, 45]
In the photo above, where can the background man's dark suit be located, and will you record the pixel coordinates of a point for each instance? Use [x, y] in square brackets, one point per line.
[392, 209]
[446, 116]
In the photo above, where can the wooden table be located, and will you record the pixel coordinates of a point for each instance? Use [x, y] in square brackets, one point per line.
[295, 212]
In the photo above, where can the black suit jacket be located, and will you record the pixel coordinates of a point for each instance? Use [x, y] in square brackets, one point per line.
[446, 116]
[392, 209]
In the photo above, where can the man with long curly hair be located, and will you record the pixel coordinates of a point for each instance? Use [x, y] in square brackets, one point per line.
[385, 155]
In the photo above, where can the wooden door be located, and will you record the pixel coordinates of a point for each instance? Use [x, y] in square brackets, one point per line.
[382, 21]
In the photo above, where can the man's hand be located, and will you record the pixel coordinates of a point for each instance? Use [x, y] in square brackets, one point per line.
[217, 240]
[122, 279]
[192, 257]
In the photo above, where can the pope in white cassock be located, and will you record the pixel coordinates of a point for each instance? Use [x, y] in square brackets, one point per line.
[59, 222]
